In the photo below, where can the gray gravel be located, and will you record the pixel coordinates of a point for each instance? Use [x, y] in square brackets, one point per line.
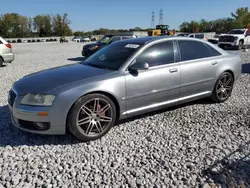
[197, 144]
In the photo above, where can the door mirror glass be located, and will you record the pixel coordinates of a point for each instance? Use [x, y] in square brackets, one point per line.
[139, 66]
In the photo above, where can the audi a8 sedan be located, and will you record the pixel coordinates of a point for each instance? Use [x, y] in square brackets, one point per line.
[124, 79]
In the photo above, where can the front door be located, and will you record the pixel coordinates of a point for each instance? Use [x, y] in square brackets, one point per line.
[160, 83]
[198, 68]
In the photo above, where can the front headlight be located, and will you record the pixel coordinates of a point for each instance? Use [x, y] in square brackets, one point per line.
[93, 47]
[236, 38]
[38, 99]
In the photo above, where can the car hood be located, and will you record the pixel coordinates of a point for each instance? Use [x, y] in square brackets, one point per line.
[46, 80]
[232, 35]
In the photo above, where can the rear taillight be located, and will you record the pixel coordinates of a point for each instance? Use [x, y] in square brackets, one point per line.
[8, 45]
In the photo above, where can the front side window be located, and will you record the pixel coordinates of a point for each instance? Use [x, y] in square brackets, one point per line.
[191, 50]
[112, 56]
[158, 54]
[105, 39]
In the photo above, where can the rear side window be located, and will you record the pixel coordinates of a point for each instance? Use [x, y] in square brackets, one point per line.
[213, 52]
[191, 50]
[126, 38]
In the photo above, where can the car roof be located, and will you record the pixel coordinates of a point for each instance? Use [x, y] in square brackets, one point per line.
[120, 34]
[150, 39]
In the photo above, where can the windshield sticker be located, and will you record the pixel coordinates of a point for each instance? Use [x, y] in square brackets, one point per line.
[102, 57]
[132, 46]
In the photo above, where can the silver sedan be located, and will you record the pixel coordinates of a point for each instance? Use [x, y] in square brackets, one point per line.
[124, 79]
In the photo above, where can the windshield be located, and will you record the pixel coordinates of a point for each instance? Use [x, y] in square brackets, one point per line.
[112, 56]
[237, 31]
[105, 39]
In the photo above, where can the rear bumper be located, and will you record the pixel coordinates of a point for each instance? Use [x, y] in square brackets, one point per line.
[8, 58]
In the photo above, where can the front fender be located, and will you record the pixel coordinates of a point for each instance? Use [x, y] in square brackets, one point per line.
[68, 96]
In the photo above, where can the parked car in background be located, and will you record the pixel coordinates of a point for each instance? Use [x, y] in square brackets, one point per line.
[93, 39]
[183, 34]
[84, 39]
[89, 49]
[235, 38]
[198, 36]
[6, 55]
[76, 39]
[215, 38]
[123, 79]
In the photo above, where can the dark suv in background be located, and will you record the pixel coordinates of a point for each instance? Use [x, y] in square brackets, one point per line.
[89, 49]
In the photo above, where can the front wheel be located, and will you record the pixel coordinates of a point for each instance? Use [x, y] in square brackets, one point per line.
[91, 117]
[223, 87]
[240, 46]
[1, 62]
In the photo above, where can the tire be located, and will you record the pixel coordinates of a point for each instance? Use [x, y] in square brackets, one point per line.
[240, 46]
[1, 62]
[94, 125]
[223, 87]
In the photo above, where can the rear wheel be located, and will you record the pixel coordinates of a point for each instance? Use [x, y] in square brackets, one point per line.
[223, 87]
[91, 117]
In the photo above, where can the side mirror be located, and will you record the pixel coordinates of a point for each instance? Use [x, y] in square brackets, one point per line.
[139, 66]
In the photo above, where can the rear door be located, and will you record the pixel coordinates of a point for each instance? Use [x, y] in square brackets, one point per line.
[198, 67]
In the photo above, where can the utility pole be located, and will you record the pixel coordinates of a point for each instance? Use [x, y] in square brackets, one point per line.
[161, 17]
[153, 20]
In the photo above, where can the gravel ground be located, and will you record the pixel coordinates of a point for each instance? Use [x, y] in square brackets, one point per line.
[193, 145]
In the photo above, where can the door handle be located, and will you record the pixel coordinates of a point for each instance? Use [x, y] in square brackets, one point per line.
[214, 63]
[173, 70]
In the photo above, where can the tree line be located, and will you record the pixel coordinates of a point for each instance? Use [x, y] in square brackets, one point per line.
[239, 19]
[13, 25]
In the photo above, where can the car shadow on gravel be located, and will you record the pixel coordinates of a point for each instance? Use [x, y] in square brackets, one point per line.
[76, 59]
[12, 136]
[246, 68]
[231, 171]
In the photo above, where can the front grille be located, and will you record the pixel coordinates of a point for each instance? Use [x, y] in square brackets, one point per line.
[12, 97]
[213, 41]
[226, 39]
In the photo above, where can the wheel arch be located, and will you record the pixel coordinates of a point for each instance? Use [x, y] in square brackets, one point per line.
[231, 72]
[1, 58]
[112, 97]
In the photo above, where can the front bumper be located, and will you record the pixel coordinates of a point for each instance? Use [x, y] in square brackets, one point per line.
[8, 58]
[228, 44]
[25, 118]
